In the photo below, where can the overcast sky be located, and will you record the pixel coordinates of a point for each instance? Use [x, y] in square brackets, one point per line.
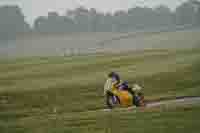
[34, 8]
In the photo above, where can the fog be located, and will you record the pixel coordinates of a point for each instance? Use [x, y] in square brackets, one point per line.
[66, 45]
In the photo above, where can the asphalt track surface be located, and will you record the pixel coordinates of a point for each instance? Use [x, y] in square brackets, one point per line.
[167, 102]
[178, 101]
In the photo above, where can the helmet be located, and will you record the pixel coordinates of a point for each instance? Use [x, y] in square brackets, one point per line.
[111, 74]
[125, 84]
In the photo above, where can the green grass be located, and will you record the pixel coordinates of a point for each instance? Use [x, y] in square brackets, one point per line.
[32, 88]
[162, 120]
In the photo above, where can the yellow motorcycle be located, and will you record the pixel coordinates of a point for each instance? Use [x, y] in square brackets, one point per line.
[124, 98]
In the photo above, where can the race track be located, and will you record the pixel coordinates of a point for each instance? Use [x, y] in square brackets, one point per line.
[179, 101]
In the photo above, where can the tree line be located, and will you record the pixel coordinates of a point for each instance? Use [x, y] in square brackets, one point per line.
[81, 19]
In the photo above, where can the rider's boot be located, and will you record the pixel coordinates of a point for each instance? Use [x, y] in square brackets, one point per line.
[108, 95]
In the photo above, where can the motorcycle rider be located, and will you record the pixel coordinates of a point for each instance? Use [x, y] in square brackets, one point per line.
[110, 86]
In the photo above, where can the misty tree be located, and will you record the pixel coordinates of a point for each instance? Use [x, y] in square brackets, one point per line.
[120, 21]
[141, 17]
[108, 23]
[164, 16]
[185, 14]
[39, 24]
[196, 5]
[81, 18]
[101, 23]
[12, 22]
[53, 23]
[96, 20]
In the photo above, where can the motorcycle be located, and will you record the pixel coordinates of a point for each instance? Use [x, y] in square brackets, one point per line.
[123, 98]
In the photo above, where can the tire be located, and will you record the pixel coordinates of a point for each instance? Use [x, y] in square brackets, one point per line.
[111, 104]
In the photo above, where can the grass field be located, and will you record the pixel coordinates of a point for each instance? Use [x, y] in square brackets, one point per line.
[53, 94]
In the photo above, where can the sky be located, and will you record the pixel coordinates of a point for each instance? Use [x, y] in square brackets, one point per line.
[35, 8]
